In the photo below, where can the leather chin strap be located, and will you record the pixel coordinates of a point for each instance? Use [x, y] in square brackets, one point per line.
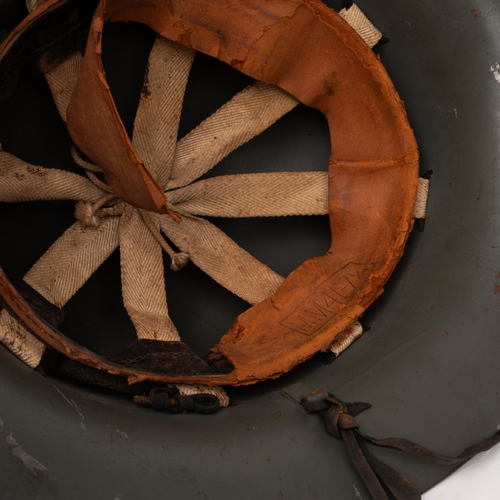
[379, 478]
[309, 51]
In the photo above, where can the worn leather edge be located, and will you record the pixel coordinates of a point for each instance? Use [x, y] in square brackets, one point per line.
[22, 310]
[97, 129]
[236, 345]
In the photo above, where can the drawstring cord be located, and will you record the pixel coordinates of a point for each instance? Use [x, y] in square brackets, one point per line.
[87, 213]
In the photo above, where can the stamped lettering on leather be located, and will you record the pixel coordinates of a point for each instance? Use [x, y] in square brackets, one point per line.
[324, 302]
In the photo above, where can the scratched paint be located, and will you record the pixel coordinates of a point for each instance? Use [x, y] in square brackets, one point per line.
[10, 440]
[74, 405]
[496, 71]
[30, 462]
[357, 493]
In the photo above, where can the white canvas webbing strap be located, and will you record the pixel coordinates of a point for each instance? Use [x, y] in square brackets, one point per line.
[221, 258]
[72, 259]
[361, 24]
[143, 282]
[235, 123]
[20, 181]
[57, 276]
[255, 195]
[154, 137]
[157, 119]
[346, 338]
[62, 81]
[422, 195]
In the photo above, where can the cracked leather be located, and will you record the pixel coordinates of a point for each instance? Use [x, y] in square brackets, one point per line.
[309, 51]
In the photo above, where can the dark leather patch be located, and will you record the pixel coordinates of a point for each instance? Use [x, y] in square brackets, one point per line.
[40, 305]
[169, 358]
[76, 371]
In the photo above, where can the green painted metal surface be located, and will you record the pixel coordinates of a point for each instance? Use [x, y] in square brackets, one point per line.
[428, 365]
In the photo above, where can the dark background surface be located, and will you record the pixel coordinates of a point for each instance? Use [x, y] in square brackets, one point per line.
[428, 365]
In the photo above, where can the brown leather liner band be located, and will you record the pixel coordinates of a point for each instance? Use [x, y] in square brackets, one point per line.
[308, 50]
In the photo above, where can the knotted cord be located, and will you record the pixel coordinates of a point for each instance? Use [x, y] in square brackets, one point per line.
[340, 422]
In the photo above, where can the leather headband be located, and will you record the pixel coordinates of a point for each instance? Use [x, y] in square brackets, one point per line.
[306, 49]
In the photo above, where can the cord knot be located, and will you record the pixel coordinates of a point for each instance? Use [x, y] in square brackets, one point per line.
[339, 416]
[179, 260]
[85, 214]
[378, 476]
